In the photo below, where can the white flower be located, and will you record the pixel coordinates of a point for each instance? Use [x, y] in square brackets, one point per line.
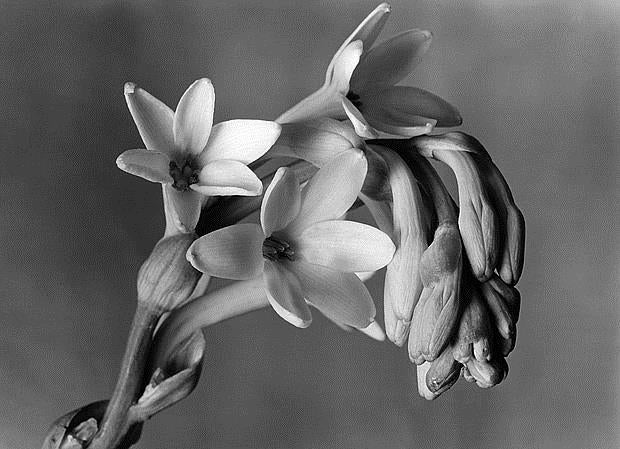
[360, 84]
[303, 252]
[191, 157]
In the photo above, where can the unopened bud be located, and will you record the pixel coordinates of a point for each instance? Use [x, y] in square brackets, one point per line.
[166, 279]
[443, 373]
[488, 373]
[474, 336]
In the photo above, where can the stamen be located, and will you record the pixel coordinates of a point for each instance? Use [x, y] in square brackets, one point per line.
[275, 249]
[183, 176]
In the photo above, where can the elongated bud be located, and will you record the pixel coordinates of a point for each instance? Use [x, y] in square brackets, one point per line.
[443, 373]
[511, 221]
[166, 279]
[403, 285]
[500, 299]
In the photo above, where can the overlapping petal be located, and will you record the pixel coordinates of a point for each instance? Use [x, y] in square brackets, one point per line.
[227, 177]
[409, 106]
[281, 202]
[234, 252]
[150, 165]
[340, 296]
[240, 140]
[330, 193]
[193, 118]
[153, 119]
[391, 61]
[345, 246]
[285, 294]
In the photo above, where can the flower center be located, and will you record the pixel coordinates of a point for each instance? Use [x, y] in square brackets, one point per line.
[355, 99]
[183, 176]
[275, 249]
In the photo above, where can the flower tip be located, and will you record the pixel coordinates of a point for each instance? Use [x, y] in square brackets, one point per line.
[374, 331]
[129, 88]
[385, 8]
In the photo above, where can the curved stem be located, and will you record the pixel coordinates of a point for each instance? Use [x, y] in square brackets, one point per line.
[129, 379]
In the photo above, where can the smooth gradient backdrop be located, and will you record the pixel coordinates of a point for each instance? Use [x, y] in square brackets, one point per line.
[536, 81]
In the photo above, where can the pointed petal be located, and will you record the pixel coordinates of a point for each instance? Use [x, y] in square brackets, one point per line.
[186, 208]
[285, 294]
[225, 177]
[409, 106]
[281, 201]
[374, 331]
[234, 252]
[367, 32]
[331, 191]
[392, 60]
[345, 246]
[146, 164]
[194, 117]
[153, 119]
[344, 65]
[361, 126]
[240, 140]
[340, 296]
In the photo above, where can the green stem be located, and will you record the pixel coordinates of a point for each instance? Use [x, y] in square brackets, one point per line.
[129, 380]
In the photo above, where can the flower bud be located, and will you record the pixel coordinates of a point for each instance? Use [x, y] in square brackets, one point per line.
[487, 374]
[403, 285]
[166, 279]
[495, 293]
[474, 335]
[511, 223]
[173, 381]
[443, 373]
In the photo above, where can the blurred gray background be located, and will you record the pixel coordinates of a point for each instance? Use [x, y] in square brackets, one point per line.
[536, 81]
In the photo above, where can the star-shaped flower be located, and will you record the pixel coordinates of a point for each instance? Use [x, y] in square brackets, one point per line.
[303, 252]
[189, 155]
[360, 84]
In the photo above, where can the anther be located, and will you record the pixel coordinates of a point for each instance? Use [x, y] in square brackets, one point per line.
[275, 249]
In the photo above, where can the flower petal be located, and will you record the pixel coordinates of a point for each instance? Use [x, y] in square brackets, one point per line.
[234, 252]
[340, 296]
[153, 119]
[344, 66]
[392, 60]
[285, 294]
[409, 106]
[194, 117]
[281, 201]
[345, 246]
[225, 177]
[331, 191]
[361, 126]
[240, 140]
[367, 32]
[150, 165]
[185, 208]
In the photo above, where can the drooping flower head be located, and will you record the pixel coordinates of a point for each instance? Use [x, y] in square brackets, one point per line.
[303, 251]
[360, 84]
[189, 155]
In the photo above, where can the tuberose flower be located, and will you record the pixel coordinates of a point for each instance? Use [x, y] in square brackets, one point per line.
[191, 157]
[303, 252]
[360, 84]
